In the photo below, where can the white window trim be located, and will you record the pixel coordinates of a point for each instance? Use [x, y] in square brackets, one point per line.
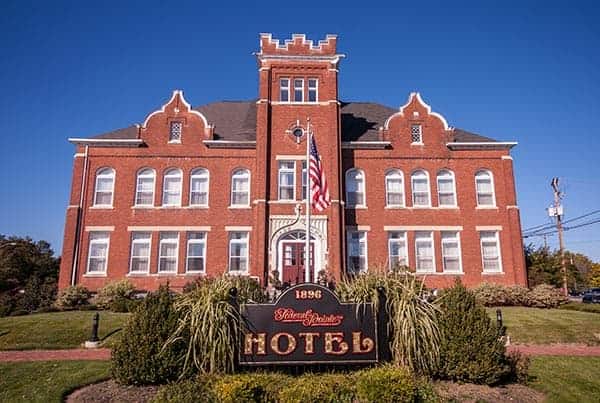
[420, 134]
[316, 88]
[349, 231]
[364, 189]
[94, 241]
[167, 174]
[112, 174]
[388, 175]
[293, 172]
[412, 189]
[160, 256]
[195, 174]
[497, 238]
[249, 176]
[137, 187]
[405, 238]
[460, 271]
[432, 238]
[203, 241]
[455, 205]
[492, 184]
[294, 90]
[281, 88]
[247, 256]
[133, 241]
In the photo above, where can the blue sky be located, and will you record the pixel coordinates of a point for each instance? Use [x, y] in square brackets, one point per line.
[524, 71]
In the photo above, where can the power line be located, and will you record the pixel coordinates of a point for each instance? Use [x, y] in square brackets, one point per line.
[548, 226]
[585, 224]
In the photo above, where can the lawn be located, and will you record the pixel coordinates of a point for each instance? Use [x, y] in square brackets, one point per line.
[547, 326]
[47, 381]
[56, 330]
[567, 379]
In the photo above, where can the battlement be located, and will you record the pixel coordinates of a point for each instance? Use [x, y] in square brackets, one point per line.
[297, 46]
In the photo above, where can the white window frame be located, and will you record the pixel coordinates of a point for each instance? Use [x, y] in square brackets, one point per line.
[283, 170]
[421, 236]
[105, 173]
[246, 257]
[416, 175]
[304, 189]
[362, 238]
[314, 89]
[361, 186]
[301, 88]
[284, 88]
[134, 241]
[164, 239]
[394, 174]
[446, 174]
[402, 237]
[451, 237]
[171, 125]
[169, 174]
[487, 236]
[192, 241]
[493, 192]
[238, 174]
[144, 173]
[199, 174]
[102, 238]
[420, 128]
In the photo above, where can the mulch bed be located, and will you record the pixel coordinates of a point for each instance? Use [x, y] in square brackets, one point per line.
[110, 391]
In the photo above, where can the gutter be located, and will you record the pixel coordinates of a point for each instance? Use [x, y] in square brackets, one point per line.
[481, 145]
[77, 240]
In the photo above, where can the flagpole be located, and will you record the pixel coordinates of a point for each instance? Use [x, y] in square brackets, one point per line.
[308, 197]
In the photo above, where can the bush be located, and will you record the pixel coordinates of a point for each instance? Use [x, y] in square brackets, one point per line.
[519, 366]
[385, 384]
[248, 287]
[471, 349]
[187, 391]
[251, 387]
[115, 294]
[73, 297]
[316, 388]
[546, 296]
[500, 295]
[138, 357]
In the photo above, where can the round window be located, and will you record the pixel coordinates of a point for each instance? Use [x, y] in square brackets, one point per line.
[298, 132]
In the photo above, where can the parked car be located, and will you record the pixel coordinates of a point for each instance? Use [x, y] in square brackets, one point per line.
[591, 296]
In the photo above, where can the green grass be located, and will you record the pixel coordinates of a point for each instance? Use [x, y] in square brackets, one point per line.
[47, 381]
[580, 306]
[567, 379]
[548, 326]
[56, 330]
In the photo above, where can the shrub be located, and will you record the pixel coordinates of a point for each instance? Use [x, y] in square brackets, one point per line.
[546, 296]
[72, 297]
[187, 391]
[385, 384]
[138, 357]
[500, 295]
[414, 331]
[579, 306]
[471, 349]
[519, 366]
[248, 287]
[115, 294]
[316, 388]
[250, 387]
[517, 295]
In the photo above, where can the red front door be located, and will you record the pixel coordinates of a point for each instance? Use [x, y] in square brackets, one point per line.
[293, 262]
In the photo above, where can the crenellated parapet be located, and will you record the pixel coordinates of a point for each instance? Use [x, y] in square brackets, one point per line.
[297, 46]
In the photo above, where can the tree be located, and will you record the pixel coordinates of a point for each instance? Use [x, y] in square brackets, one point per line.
[594, 275]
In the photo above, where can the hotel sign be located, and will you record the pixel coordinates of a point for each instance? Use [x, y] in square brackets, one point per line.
[308, 325]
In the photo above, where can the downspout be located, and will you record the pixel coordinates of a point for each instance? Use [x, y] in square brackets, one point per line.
[79, 219]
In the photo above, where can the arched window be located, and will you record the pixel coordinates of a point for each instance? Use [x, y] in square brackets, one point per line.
[484, 186]
[172, 187]
[199, 187]
[144, 188]
[394, 188]
[240, 187]
[355, 188]
[105, 186]
[420, 189]
[446, 188]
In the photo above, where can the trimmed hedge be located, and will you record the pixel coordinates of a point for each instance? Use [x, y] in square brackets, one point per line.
[541, 296]
[116, 296]
[74, 296]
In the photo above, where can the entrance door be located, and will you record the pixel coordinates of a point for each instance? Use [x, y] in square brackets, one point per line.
[293, 262]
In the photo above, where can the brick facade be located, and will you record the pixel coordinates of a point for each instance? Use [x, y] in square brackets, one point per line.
[257, 136]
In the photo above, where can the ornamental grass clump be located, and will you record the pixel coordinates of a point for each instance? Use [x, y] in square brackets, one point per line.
[413, 326]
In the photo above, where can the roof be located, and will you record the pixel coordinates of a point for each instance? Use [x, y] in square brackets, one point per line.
[236, 121]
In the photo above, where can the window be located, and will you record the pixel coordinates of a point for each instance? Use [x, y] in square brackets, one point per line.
[355, 188]
[196, 252]
[420, 189]
[284, 90]
[144, 190]
[140, 252]
[240, 188]
[490, 252]
[98, 253]
[424, 252]
[446, 189]
[304, 180]
[287, 180]
[175, 132]
[105, 185]
[357, 252]
[298, 90]
[172, 188]
[313, 90]
[238, 251]
[199, 187]
[168, 252]
[394, 188]
[416, 134]
[451, 252]
[398, 255]
[484, 185]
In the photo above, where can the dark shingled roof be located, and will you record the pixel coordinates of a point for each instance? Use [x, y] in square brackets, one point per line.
[236, 121]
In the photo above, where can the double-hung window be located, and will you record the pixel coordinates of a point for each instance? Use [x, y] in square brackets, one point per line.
[313, 90]
[196, 252]
[199, 187]
[394, 188]
[287, 180]
[168, 252]
[490, 252]
[284, 90]
[446, 189]
[357, 252]
[105, 186]
[424, 252]
[144, 190]
[238, 252]
[140, 252]
[240, 188]
[420, 189]
[298, 90]
[98, 253]
[484, 185]
[451, 252]
[355, 188]
[172, 187]
[304, 187]
[398, 255]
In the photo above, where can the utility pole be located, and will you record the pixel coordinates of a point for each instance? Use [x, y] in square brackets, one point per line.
[557, 212]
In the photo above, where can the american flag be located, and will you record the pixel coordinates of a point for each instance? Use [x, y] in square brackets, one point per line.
[318, 183]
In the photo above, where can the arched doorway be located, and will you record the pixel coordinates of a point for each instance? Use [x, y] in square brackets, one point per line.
[291, 248]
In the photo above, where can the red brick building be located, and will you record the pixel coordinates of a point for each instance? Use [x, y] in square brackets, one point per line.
[212, 189]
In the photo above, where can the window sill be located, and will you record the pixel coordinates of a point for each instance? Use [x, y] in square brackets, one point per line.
[492, 273]
[174, 142]
[169, 207]
[356, 208]
[240, 207]
[238, 273]
[486, 208]
[197, 207]
[98, 207]
[448, 207]
[395, 207]
[139, 274]
[143, 207]
[285, 201]
[422, 273]
[195, 273]
[417, 144]
[167, 274]
[421, 207]
[94, 275]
